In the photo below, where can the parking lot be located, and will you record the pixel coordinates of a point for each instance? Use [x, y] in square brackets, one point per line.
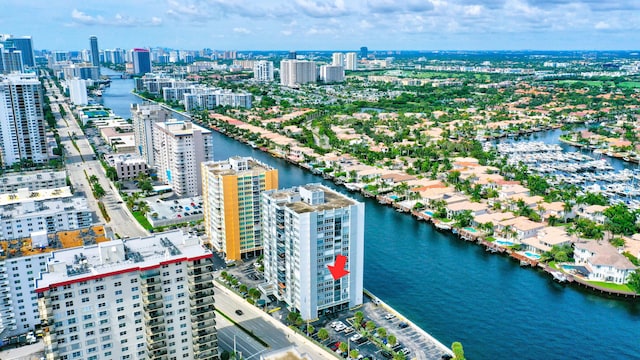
[411, 341]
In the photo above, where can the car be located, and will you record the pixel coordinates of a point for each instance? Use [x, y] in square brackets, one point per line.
[403, 325]
[355, 337]
[120, 202]
[349, 330]
[335, 346]
[389, 316]
[239, 312]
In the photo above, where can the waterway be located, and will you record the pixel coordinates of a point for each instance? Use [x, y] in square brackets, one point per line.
[457, 292]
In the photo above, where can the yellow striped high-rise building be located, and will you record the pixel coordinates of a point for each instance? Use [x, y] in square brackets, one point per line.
[231, 195]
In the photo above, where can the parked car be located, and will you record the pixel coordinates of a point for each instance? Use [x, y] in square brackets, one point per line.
[239, 312]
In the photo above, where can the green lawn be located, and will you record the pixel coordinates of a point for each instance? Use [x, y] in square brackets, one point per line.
[611, 286]
[629, 84]
[142, 220]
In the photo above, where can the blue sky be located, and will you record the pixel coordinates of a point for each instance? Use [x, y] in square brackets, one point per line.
[327, 24]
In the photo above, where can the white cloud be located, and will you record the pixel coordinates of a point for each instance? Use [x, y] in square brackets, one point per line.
[81, 18]
[241, 30]
[322, 9]
[286, 32]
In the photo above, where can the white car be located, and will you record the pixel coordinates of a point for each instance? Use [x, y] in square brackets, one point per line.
[389, 316]
[356, 337]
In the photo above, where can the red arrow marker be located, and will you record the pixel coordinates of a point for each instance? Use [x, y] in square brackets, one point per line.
[338, 270]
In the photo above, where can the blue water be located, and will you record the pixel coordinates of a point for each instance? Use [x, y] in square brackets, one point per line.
[458, 292]
[117, 96]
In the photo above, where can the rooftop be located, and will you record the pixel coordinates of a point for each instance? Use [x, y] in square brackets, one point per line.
[119, 256]
[239, 166]
[42, 242]
[332, 199]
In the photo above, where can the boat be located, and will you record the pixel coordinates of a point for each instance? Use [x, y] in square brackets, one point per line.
[558, 276]
[443, 226]
[98, 92]
[524, 263]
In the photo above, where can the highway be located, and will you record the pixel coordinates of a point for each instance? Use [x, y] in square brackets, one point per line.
[81, 165]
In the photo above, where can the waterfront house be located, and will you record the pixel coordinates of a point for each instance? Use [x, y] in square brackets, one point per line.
[493, 218]
[603, 261]
[456, 208]
[529, 201]
[394, 179]
[592, 212]
[519, 228]
[546, 239]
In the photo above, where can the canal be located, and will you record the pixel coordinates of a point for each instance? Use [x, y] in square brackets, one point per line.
[456, 291]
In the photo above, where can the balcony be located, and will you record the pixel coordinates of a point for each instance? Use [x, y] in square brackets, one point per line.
[154, 322]
[154, 330]
[205, 308]
[158, 354]
[206, 354]
[154, 306]
[152, 315]
[152, 298]
[146, 291]
[158, 345]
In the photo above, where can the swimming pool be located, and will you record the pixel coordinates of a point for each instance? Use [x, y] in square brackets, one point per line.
[504, 243]
[430, 213]
[470, 229]
[393, 197]
[532, 255]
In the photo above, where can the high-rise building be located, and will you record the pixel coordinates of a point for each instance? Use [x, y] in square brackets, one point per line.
[337, 59]
[142, 298]
[10, 60]
[263, 70]
[141, 61]
[231, 195]
[143, 117]
[351, 62]
[332, 73]
[22, 124]
[297, 72]
[364, 52]
[78, 91]
[292, 55]
[95, 51]
[178, 149]
[24, 44]
[304, 229]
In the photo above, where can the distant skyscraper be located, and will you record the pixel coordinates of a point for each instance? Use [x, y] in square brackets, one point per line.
[292, 55]
[332, 73]
[352, 61]
[364, 52]
[22, 124]
[141, 61]
[263, 71]
[337, 59]
[297, 72]
[23, 44]
[231, 194]
[95, 51]
[304, 229]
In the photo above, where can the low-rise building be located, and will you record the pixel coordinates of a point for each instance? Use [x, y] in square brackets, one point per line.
[546, 239]
[592, 212]
[25, 212]
[519, 228]
[173, 212]
[32, 180]
[128, 166]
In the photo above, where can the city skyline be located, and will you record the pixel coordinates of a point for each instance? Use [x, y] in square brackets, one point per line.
[332, 24]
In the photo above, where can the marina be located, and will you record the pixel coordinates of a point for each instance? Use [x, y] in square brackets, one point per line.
[561, 167]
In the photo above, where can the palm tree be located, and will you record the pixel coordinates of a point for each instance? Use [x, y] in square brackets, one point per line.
[93, 179]
[358, 317]
[382, 332]
[392, 340]
[354, 353]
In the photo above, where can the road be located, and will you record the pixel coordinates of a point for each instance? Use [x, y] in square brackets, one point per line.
[81, 165]
[270, 330]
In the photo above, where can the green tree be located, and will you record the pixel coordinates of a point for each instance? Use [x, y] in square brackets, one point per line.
[399, 356]
[98, 191]
[354, 353]
[310, 329]
[243, 288]
[634, 281]
[392, 340]
[382, 332]
[620, 219]
[293, 317]
[112, 173]
[343, 346]
[458, 351]
[323, 334]
[93, 179]
[358, 317]
[370, 325]
[464, 218]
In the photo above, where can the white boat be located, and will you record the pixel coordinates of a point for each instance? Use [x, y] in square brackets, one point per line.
[443, 226]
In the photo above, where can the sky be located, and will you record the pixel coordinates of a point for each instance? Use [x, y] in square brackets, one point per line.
[327, 24]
